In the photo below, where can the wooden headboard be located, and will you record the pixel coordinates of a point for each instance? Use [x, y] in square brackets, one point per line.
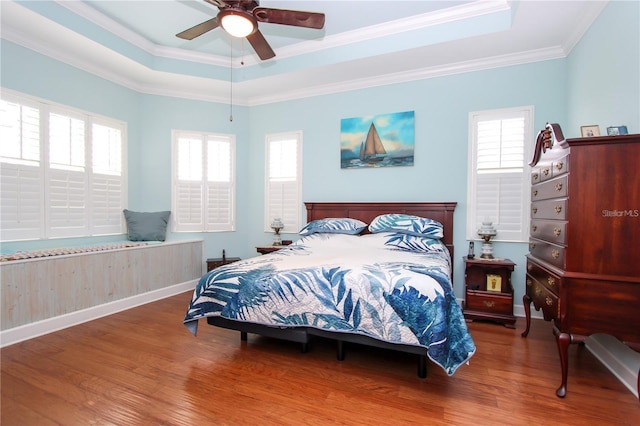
[366, 212]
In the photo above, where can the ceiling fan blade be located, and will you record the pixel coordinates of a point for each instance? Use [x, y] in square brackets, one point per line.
[260, 45]
[296, 18]
[199, 29]
[217, 3]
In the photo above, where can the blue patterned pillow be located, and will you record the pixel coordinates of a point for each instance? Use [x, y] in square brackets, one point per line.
[414, 243]
[407, 224]
[334, 225]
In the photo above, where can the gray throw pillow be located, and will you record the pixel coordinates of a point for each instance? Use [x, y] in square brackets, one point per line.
[147, 226]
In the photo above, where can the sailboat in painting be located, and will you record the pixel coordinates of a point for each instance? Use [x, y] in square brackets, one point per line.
[372, 150]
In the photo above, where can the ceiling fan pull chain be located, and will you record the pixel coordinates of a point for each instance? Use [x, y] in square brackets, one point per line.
[231, 80]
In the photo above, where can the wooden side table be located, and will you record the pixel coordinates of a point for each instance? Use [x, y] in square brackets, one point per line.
[268, 249]
[488, 290]
[214, 263]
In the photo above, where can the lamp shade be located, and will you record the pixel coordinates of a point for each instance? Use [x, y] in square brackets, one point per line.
[237, 23]
[277, 224]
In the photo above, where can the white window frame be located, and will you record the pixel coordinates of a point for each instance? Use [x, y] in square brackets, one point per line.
[84, 214]
[286, 206]
[516, 178]
[199, 217]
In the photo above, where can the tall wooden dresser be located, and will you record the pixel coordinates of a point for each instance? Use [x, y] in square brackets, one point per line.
[583, 266]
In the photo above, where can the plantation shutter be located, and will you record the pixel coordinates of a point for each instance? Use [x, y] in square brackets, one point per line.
[21, 198]
[283, 181]
[107, 199]
[500, 174]
[188, 189]
[66, 178]
[204, 183]
[63, 171]
[220, 185]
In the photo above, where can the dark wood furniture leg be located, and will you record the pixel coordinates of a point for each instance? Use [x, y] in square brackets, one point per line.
[422, 366]
[340, 354]
[526, 302]
[563, 340]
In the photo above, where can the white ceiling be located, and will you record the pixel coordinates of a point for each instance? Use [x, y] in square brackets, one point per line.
[363, 44]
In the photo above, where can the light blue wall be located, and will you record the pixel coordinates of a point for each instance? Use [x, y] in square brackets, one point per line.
[604, 87]
[575, 91]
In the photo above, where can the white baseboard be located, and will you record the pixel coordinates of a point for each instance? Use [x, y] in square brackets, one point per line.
[49, 325]
[518, 310]
[621, 360]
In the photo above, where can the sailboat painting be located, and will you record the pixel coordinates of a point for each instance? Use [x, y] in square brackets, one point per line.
[383, 140]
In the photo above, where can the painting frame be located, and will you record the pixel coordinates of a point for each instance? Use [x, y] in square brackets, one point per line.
[381, 140]
[590, 131]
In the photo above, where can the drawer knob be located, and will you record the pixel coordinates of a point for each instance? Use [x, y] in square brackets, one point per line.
[534, 210]
[555, 253]
[558, 186]
[535, 192]
[548, 301]
[532, 246]
[551, 281]
[534, 228]
[558, 209]
[489, 303]
[560, 165]
[545, 172]
[529, 267]
[557, 231]
[536, 176]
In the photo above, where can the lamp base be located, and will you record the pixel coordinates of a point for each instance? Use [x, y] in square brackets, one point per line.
[277, 240]
[487, 251]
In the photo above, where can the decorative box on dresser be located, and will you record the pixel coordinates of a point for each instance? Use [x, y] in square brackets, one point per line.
[583, 266]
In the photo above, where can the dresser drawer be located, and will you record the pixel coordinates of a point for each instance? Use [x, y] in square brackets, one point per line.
[560, 167]
[551, 253]
[545, 172]
[486, 301]
[535, 175]
[547, 279]
[543, 299]
[549, 209]
[556, 188]
[553, 231]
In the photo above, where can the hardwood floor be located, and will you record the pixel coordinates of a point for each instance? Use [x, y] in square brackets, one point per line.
[142, 367]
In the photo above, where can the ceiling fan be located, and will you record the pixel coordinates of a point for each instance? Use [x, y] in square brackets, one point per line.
[240, 19]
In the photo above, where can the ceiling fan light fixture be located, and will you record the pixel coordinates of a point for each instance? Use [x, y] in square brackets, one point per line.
[237, 23]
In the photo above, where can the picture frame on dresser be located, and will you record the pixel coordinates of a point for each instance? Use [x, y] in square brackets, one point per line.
[590, 131]
[617, 130]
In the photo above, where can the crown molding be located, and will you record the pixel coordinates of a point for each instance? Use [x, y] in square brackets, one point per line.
[588, 18]
[414, 75]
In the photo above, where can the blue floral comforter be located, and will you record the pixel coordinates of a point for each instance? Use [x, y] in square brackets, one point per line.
[390, 286]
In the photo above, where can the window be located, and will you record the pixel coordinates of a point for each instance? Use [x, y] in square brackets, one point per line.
[62, 171]
[203, 196]
[283, 180]
[498, 189]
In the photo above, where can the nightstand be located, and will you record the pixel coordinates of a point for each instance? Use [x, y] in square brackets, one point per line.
[268, 249]
[488, 290]
[219, 261]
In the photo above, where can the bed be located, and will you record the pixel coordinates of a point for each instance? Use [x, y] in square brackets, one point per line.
[375, 274]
